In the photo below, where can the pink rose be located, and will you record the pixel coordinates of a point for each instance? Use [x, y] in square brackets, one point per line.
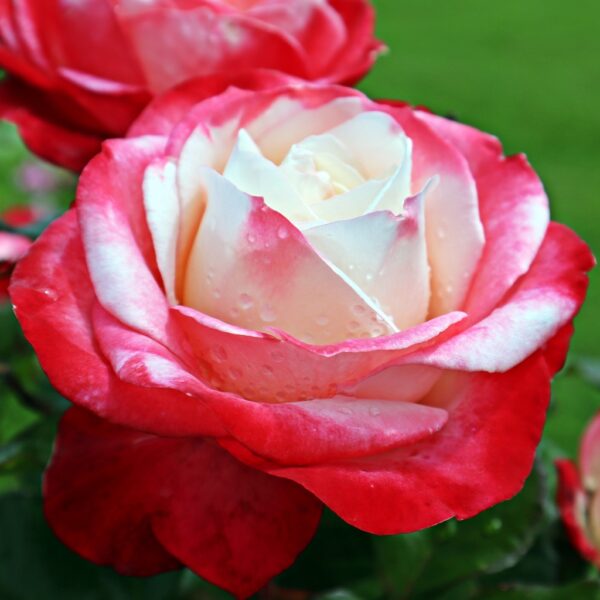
[286, 296]
[82, 71]
[579, 494]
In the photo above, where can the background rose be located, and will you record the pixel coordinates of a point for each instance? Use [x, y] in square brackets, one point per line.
[12, 247]
[578, 497]
[81, 72]
[173, 303]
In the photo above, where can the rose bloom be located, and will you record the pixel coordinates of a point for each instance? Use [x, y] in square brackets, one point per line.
[578, 494]
[285, 296]
[80, 72]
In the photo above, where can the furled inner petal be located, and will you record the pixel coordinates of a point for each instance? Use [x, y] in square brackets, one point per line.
[162, 213]
[250, 266]
[251, 172]
[386, 256]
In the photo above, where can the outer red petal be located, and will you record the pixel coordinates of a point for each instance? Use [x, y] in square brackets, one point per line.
[141, 504]
[481, 457]
[544, 300]
[361, 49]
[53, 298]
[572, 503]
[555, 350]
[48, 139]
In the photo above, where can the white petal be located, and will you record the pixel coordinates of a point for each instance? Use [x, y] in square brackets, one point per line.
[251, 267]
[386, 256]
[162, 213]
[254, 174]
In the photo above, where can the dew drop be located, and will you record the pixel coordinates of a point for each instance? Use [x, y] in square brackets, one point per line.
[353, 325]
[376, 331]
[216, 293]
[351, 267]
[282, 233]
[268, 371]
[277, 356]
[235, 313]
[268, 314]
[219, 353]
[251, 238]
[493, 526]
[374, 411]
[246, 302]
[369, 276]
[441, 233]
[235, 373]
[359, 309]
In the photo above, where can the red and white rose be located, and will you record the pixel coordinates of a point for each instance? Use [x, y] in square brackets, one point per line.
[579, 494]
[81, 71]
[286, 296]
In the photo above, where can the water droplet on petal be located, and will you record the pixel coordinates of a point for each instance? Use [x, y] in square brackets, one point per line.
[359, 309]
[268, 314]
[219, 353]
[277, 356]
[374, 411]
[246, 302]
[282, 233]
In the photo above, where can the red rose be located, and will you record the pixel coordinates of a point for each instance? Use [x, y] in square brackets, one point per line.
[82, 71]
[281, 297]
[579, 495]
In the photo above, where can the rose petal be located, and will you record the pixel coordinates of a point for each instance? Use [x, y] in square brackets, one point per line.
[572, 503]
[161, 202]
[513, 208]
[145, 504]
[482, 456]
[254, 174]
[455, 237]
[546, 299]
[264, 274]
[118, 244]
[53, 299]
[386, 256]
[589, 455]
[174, 45]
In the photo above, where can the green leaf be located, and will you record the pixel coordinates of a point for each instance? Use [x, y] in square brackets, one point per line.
[585, 590]
[34, 564]
[455, 551]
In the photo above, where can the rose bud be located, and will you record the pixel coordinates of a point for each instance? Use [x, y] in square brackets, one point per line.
[80, 72]
[289, 296]
[578, 494]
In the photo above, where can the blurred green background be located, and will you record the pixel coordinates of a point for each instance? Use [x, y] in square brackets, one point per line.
[527, 71]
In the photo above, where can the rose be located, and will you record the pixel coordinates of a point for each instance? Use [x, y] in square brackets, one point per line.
[81, 72]
[578, 494]
[13, 245]
[293, 285]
